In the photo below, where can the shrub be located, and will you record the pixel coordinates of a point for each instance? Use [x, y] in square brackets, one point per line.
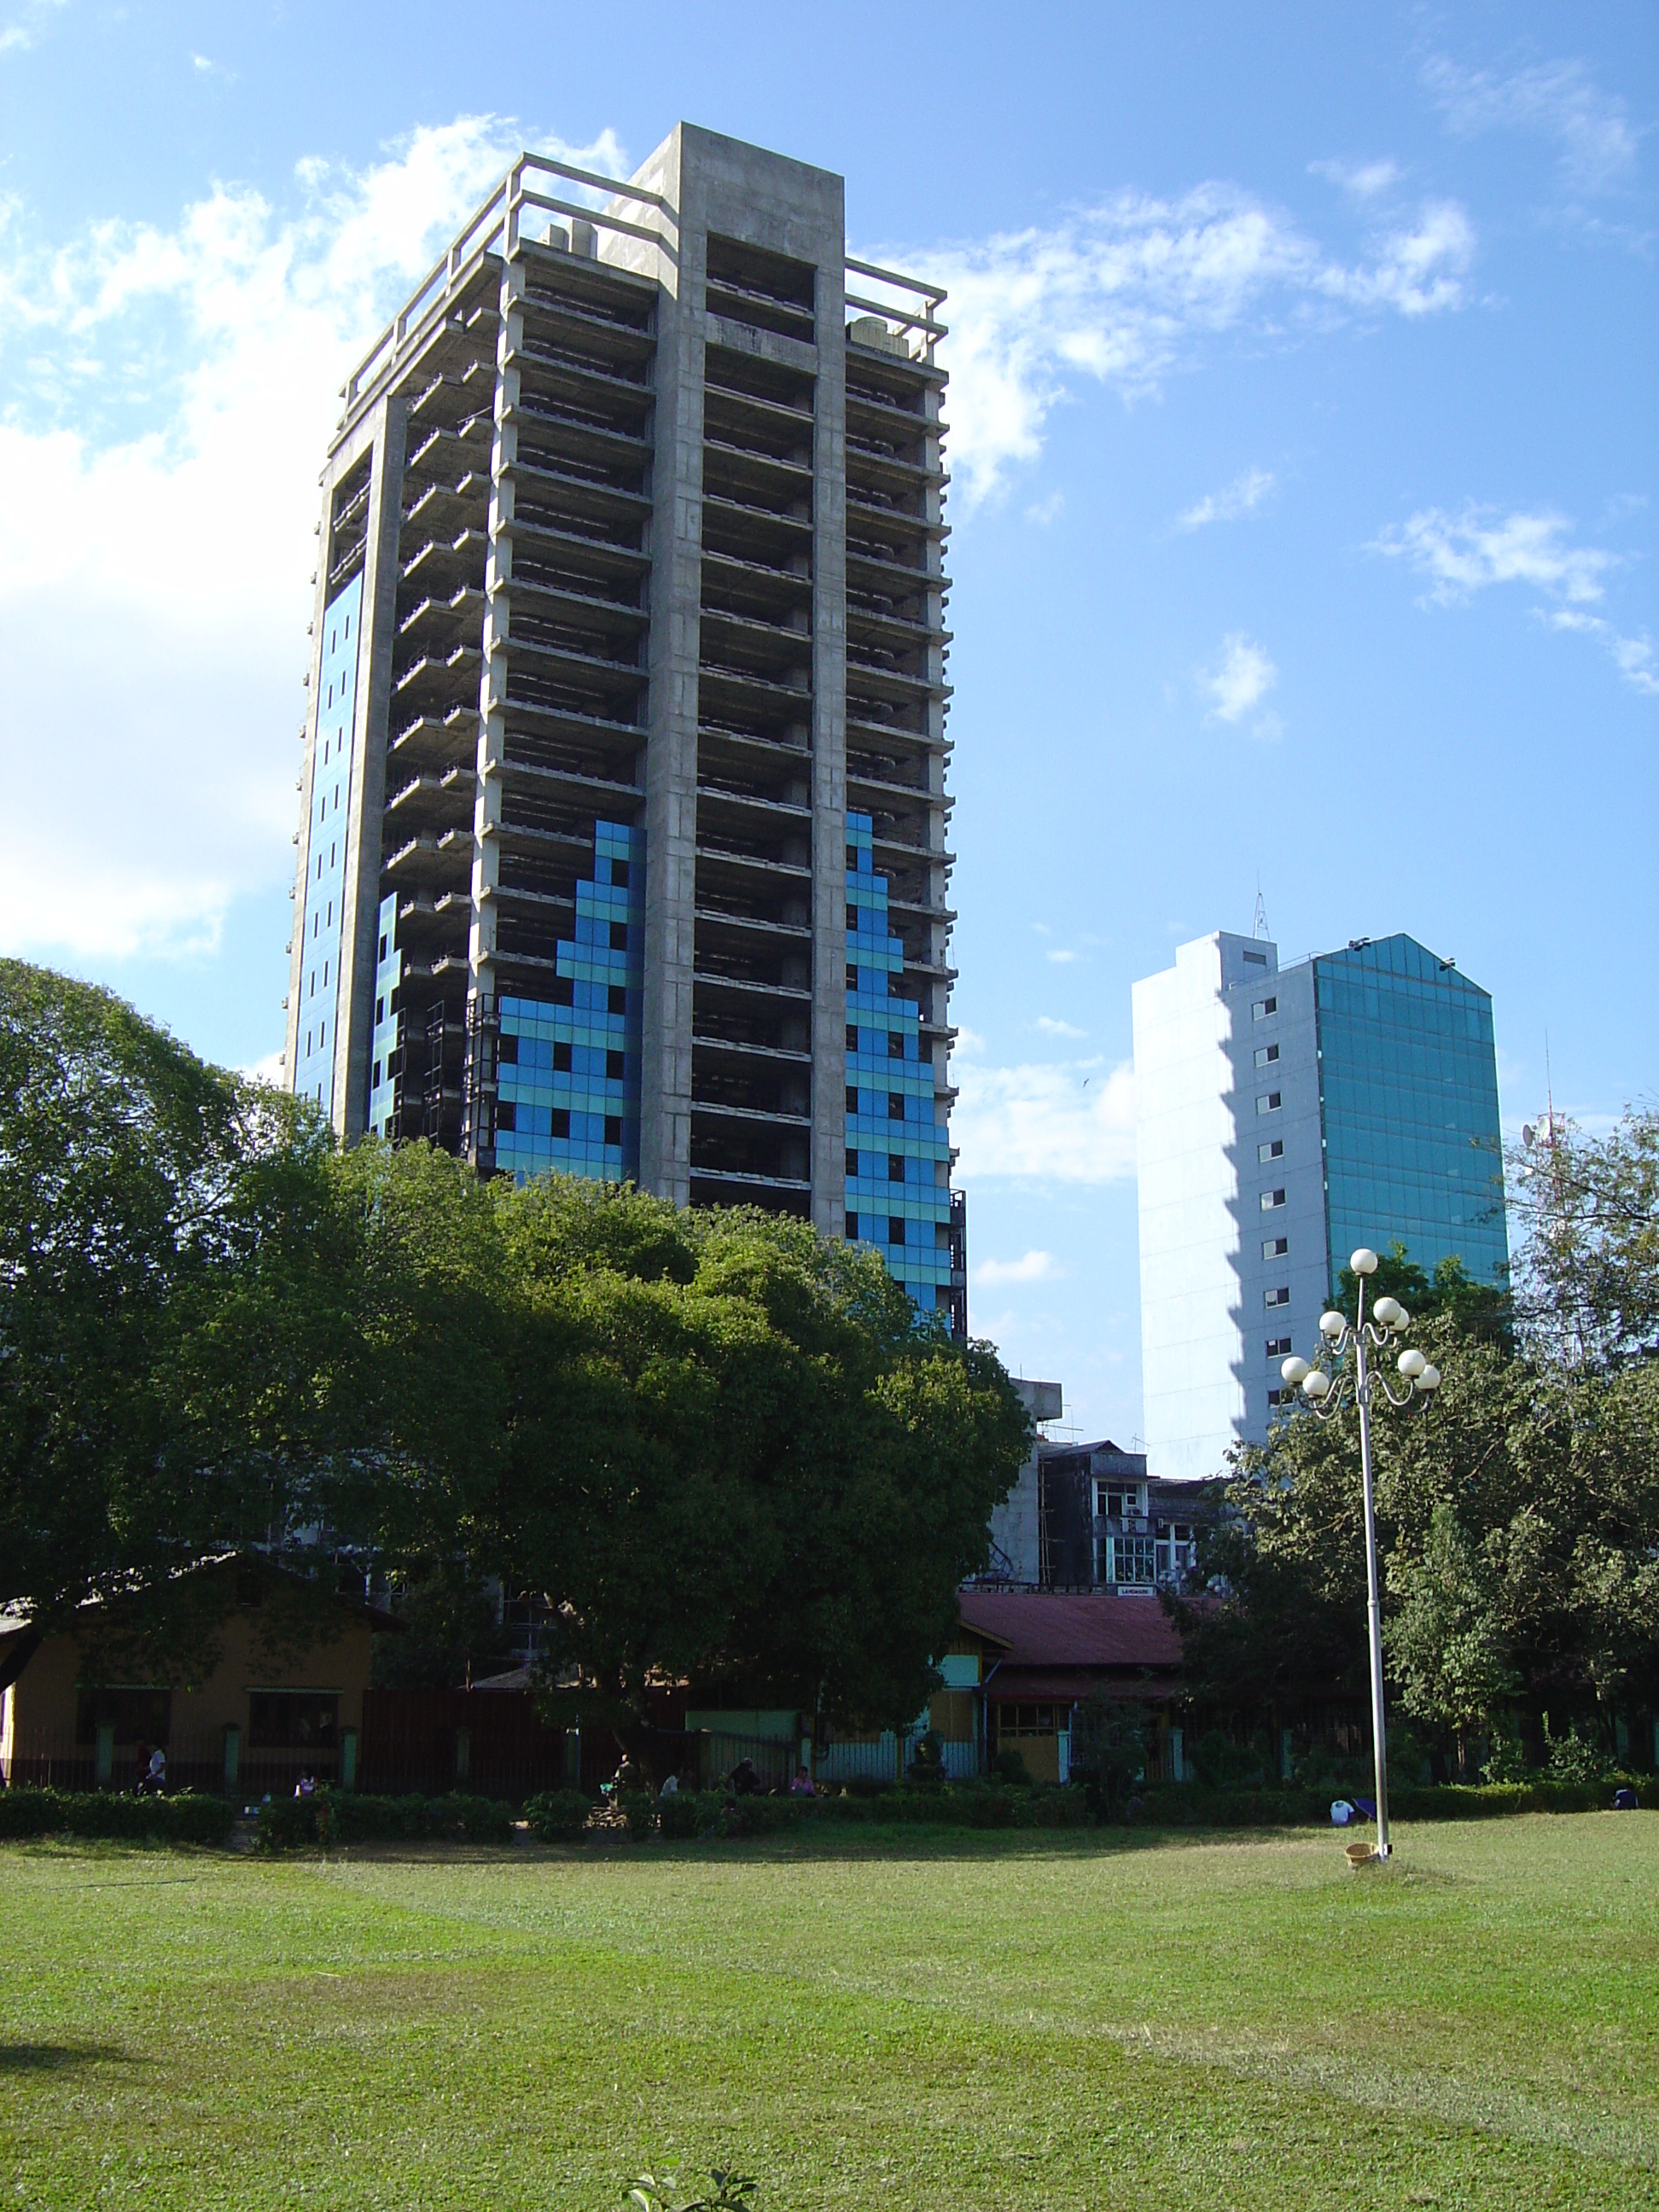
[558, 1816]
[1506, 1759]
[185, 1818]
[676, 1817]
[1012, 1768]
[639, 1809]
[332, 1817]
[1572, 1757]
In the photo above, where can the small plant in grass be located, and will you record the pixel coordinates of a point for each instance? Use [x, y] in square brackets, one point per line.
[732, 2192]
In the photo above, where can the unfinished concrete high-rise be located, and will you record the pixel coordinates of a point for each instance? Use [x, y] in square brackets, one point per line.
[623, 835]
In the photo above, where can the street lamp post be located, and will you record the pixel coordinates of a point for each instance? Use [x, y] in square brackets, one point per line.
[1325, 1389]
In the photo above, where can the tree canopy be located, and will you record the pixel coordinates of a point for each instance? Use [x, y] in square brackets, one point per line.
[1517, 1517]
[714, 1443]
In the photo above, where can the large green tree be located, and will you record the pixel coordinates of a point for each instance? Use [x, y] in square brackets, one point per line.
[716, 1444]
[735, 1454]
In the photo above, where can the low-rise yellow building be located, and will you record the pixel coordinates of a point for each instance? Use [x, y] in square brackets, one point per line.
[274, 1691]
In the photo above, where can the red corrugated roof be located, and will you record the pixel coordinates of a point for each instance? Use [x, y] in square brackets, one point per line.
[1052, 1628]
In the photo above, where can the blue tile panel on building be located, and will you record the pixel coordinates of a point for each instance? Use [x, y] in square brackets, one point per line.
[388, 975]
[1408, 1088]
[569, 1071]
[896, 1199]
[322, 918]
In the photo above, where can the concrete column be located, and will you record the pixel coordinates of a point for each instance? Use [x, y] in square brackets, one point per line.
[829, 747]
[492, 683]
[671, 770]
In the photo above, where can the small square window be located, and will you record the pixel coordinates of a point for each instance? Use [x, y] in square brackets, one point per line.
[851, 917]
[852, 1165]
[1269, 1101]
[895, 1229]
[1263, 1008]
[616, 999]
[1266, 1054]
[853, 858]
[852, 1100]
[1275, 1248]
[1276, 1397]
[895, 1044]
[851, 1038]
[374, 1080]
[564, 991]
[1275, 1150]
[896, 1167]
[506, 1115]
[1255, 959]
[508, 1052]
[560, 1123]
[1278, 1347]
[852, 1228]
[619, 874]
[383, 948]
[561, 1060]
[379, 1010]
[619, 937]
[851, 976]
[613, 1128]
[895, 1105]
[613, 1067]
[1279, 1296]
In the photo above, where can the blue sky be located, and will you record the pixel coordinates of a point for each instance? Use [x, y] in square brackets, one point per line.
[1304, 452]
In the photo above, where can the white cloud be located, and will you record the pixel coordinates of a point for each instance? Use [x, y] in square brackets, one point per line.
[1045, 511]
[153, 570]
[1064, 1123]
[1062, 959]
[1127, 292]
[1241, 497]
[1363, 179]
[1050, 1027]
[268, 1070]
[24, 30]
[1242, 680]
[1558, 100]
[1633, 657]
[1031, 1267]
[1463, 553]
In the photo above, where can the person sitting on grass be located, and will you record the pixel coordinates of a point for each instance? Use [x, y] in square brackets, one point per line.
[802, 1784]
[154, 1780]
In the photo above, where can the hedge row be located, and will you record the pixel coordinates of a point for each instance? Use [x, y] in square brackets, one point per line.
[1189, 1805]
[182, 1820]
[336, 1817]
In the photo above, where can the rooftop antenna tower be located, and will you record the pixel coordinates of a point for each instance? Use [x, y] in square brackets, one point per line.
[1260, 927]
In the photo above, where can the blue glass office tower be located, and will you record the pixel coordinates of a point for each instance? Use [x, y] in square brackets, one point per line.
[624, 796]
[1286, 1116]
[1408, 1097]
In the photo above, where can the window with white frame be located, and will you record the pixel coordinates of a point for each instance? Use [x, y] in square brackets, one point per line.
[1130, 1561]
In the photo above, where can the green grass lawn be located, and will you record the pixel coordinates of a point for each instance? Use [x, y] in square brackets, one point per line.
[968, 2021]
